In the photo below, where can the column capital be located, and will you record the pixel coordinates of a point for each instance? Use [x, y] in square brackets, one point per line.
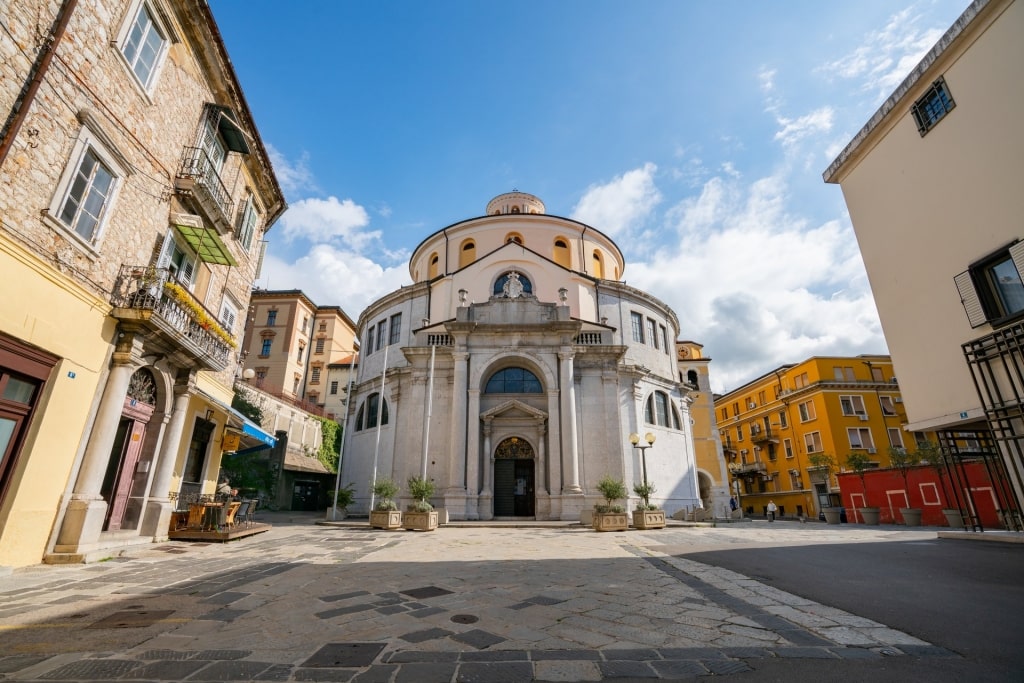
[128, 347]
[185, 381]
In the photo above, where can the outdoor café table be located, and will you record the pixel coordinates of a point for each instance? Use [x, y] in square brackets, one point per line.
[211, 515]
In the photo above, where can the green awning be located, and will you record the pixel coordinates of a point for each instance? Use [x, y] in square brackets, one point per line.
[233, 136]
[207, 244]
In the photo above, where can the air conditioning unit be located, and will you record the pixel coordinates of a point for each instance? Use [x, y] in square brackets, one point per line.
[893, 381]
[898, 399]
[751, 405]
[863, 417]
[872, 451]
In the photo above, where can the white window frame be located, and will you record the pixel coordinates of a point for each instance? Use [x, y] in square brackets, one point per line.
[248, 219]
[860, 438]
[812, 442]
[807, 412]
[888, 405]
[228, 315]
[185, 272]
[135, 9]
[787, 445]
[113, 161]
[896, 437]
[856, 405]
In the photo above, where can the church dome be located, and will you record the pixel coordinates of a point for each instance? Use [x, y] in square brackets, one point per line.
[514, 202]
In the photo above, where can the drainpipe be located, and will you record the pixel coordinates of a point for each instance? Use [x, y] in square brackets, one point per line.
[19, 112]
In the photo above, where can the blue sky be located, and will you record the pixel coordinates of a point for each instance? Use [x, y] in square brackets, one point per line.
[693, 133]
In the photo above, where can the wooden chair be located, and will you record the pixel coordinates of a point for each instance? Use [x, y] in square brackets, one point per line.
[195, 515]
[233, 508]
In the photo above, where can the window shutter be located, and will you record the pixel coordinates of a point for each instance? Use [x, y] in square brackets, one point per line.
[969, 298]
[188, 273]
[1017, 254]
[164, 259]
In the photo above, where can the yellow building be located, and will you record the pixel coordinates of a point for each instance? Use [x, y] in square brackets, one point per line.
[773, 428]
[712, 474]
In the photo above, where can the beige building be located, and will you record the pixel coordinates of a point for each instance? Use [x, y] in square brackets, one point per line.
[289, 344]
[933, 186]
[135, 195]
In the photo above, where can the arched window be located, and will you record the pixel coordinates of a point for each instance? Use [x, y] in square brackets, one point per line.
[691, 377]
[467, 254]
[514, 236]
[513, 381]
[372, 405]
[432, 270]
[561, 253]
[659, 410]
[598, 264]
[499, 284]
[515, 209]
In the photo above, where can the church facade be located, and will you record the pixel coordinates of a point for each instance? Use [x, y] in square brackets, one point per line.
[513, 371]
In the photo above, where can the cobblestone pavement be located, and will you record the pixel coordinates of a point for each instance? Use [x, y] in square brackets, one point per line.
[307, 602]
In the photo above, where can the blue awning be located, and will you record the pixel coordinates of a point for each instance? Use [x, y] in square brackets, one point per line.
[250, 451]
[249, 427]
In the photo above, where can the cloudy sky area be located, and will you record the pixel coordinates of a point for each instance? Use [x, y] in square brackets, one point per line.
[693, 133]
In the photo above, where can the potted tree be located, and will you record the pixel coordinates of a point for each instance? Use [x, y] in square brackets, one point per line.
[346, 496]
[931, 453]
[385, 513]
[826, 464]
[647, 515]
[420, 515]
[903, 461]
[860, 463]
[610, 517]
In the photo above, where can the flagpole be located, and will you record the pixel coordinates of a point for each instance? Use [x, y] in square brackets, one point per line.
[344, 436]
[430, 411]
[380, 412]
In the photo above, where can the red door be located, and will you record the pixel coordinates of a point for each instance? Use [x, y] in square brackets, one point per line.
[123, 458]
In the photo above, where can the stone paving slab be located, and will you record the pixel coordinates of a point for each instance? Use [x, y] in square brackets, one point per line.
[551, 603]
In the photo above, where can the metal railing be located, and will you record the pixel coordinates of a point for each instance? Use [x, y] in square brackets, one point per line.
[142, 288]
[197, 165]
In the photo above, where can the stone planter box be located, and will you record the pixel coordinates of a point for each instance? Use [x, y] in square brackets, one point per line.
[386, 519]
[832, 515]
[869, 516]
[911, 516]
[954, 519]
[649, 519]
[419, 521]
[611, 521]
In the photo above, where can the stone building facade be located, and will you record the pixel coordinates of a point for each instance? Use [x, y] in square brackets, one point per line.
[136, 191]
[513, 370]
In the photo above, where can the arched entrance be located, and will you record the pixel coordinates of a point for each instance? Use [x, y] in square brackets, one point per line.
[705, 484]
[514, 479]
[124, 455]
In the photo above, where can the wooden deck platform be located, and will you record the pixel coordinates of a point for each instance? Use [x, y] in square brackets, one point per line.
[220, 536]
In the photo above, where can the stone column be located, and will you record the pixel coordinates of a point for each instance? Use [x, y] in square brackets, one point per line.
[455, 492]
[485, 503]
[159, 506]
[472, 451]
[554, 463]
[83, 519]
[569, 438]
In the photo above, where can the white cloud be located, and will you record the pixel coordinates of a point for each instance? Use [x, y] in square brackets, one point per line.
[619, 206]
[794, 130]
[886, 56]
[295, 179]
[757, 286]
[332, 276]
[321, 220]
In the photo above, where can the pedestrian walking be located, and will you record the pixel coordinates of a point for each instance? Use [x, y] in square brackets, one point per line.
[771, 510]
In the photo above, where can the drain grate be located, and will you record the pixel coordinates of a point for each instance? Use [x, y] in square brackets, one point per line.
[465, 619]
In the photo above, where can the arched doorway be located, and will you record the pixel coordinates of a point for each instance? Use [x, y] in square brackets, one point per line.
[514, 479]
[124, 455]
[705, 485]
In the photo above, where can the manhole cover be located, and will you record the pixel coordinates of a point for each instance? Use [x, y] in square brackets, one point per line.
[139, 619]
[465, 619]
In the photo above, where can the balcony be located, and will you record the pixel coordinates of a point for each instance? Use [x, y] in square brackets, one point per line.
[740, 469]
[199, 179]
[149, 297]
[763, 435]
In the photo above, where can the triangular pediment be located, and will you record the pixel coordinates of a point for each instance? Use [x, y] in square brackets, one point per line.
[513, 408]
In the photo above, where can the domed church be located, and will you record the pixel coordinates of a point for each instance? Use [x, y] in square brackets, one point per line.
[513, 371]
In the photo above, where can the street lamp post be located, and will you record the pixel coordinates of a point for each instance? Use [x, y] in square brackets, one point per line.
[634, 439]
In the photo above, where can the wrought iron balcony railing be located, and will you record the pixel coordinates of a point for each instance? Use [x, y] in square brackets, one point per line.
[150, 296]
[741, 468]
[199, 176]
